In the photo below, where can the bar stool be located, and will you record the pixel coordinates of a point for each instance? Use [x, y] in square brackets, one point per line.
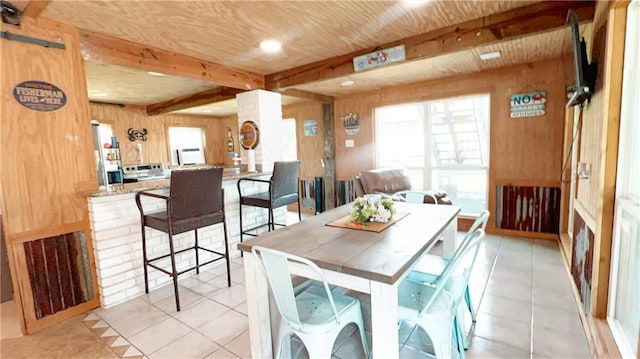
[283, 190]
[196, 199]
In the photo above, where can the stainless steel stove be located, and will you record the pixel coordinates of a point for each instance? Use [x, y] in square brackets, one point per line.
[144, 172]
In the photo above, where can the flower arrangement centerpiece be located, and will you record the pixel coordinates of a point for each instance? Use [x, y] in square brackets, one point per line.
[372, 208]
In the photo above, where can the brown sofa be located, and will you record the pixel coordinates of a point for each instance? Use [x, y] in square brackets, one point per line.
[388, 182]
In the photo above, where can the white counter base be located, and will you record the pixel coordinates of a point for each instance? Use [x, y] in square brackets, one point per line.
[117, 239]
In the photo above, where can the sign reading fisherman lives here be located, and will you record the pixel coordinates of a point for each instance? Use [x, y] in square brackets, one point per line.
[39, 96]
[529, 104]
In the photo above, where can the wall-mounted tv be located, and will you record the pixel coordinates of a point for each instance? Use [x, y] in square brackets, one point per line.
[584, 85]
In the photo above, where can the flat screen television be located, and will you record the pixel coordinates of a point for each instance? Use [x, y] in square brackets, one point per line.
[583, 88]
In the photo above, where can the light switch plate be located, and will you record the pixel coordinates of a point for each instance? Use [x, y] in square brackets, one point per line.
[349, 143]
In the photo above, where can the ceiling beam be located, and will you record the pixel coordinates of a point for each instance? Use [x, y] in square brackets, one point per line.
[35, 8]
[121, 52]
[307, 95]
[539, 17]
[217, 94]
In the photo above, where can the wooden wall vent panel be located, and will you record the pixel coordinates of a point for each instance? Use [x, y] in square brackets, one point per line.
[582, 259]
[527, 208]
[59, 272]
[345, 192]
[312, 194]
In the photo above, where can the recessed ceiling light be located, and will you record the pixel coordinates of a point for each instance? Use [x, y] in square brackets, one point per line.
[346, 83]
[415, 3]
[270, 46]
[98, 94]
[156, 73]
[490, 55]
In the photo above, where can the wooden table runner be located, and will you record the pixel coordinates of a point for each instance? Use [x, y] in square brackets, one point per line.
[345, 222]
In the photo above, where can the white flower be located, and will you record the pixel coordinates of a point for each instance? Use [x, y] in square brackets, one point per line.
[364, 211]
[382, 215]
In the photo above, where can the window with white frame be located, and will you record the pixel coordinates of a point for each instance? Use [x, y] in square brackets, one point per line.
[186, 145]
[444, 144]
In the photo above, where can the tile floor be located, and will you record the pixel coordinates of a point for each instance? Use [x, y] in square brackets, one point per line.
[526, 309]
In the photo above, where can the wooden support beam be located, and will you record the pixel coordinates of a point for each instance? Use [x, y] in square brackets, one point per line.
[35, 8]
[116, 51]
[538, 17]
[610, 131]
[307, 95]
[217, 94]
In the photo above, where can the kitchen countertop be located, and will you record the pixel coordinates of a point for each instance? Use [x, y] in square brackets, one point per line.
[164, 183]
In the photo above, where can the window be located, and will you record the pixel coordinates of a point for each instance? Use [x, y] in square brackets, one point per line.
[186, 145]
[289, 142]
[443, 144]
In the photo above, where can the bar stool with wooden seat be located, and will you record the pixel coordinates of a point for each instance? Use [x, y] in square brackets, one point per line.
[195, 200]
[283, 190]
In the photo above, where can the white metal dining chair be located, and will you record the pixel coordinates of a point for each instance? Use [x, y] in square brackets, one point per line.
[430, 267]
[315, 314]
[414, 196]
[434, 306]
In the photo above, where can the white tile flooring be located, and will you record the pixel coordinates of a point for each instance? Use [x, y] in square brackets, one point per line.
[526, 309]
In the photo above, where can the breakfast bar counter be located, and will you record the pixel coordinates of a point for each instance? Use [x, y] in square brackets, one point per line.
[117, 238]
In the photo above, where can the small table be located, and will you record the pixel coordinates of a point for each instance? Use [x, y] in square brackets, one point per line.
[368, 262]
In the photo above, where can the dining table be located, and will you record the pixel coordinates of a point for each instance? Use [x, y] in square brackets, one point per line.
[354, 258]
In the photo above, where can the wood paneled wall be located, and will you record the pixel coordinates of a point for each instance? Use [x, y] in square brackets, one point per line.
[310, 150]
[513, 141]
[525, 151]
[599, 142]
[156, 148]
[46, 157]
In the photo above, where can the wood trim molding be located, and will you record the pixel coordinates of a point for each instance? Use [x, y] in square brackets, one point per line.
[504, 182]
[539, 17]
[16, 238]
[612, 92]
[206, 97]
[35, 8]
[130, 54]
[516, 233]
[307, 95]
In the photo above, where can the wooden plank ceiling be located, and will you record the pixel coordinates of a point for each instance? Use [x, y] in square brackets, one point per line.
[122, 39]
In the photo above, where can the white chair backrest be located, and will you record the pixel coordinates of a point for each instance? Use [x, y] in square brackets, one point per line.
[276, 266]
[456, 275]
[479, 223]
[418, 197]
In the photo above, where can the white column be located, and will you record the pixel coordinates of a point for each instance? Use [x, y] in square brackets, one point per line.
[264, 108]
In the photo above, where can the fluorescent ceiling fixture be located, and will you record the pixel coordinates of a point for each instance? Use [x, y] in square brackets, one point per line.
[207, 111]
[156, 73]
[270, 46]
[99, 94]
[346, 83]
[490, 55]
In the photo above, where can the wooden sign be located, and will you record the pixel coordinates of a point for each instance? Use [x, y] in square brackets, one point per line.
[39, 96]
[379, 58]
[249, 135]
